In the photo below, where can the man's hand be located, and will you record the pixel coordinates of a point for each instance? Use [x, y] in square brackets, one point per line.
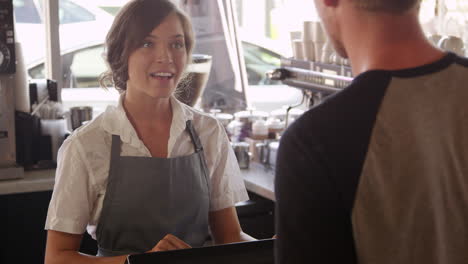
[169, 242]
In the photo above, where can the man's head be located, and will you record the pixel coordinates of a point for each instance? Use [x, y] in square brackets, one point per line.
[335, 12]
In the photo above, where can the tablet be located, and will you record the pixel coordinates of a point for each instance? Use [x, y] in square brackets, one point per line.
[252, 252]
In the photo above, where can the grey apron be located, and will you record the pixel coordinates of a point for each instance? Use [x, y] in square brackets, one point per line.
[148, 198]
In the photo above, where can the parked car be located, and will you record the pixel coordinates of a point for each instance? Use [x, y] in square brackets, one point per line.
[82, 67]
[80, 27]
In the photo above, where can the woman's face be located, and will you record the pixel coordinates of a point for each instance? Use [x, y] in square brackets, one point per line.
[156, 66]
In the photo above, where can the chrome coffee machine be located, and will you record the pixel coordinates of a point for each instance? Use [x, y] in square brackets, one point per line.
[8, 167]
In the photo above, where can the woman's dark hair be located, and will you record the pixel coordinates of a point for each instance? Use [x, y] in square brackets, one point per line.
[131, 26]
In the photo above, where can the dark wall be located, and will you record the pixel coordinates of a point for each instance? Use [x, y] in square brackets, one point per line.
[24, 238]
[22, 223]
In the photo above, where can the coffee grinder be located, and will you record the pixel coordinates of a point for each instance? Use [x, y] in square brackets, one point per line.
[8, 166]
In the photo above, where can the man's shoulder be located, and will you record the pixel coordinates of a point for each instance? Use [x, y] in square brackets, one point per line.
[345, 108]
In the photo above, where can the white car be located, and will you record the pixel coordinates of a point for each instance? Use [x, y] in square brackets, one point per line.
[79, 27]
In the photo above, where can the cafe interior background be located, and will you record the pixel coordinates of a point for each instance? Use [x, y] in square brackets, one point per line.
[257, 66]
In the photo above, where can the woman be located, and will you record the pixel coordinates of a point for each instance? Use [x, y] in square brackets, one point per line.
[152, 173]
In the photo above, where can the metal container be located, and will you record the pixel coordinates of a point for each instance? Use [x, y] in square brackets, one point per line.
[192, 85]
[272, 153]
[241, 149]
[80, 114]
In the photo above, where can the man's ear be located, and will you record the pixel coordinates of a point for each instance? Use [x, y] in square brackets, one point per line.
[331, 3]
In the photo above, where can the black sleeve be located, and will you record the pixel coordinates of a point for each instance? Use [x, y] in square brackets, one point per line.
[318, 168]
[311, 223]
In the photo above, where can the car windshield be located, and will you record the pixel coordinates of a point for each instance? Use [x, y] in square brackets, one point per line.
[27, 11]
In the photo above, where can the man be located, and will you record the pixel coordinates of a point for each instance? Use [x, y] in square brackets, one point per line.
[378, 173]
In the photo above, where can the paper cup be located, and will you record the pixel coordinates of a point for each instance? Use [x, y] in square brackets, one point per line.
[308, 30]
[319, 34]
[309, 50]
[298, 50]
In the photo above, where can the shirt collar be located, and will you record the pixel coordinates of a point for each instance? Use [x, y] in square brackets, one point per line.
[116, 122]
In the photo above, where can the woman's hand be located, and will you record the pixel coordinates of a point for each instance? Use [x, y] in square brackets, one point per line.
[170, 242]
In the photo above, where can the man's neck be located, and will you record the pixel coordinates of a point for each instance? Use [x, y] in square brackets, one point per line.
[386, 43]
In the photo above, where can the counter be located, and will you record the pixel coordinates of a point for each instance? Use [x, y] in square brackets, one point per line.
[260, 180]
[257, 178]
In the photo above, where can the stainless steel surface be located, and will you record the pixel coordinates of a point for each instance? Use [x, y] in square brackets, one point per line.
[9, 173]
[317, 77]
[33, 181]
[80, 114]
[258, 179]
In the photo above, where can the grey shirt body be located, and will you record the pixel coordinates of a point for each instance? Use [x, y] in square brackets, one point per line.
[378, 173]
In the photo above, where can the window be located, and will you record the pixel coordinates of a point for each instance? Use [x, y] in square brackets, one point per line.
[264, 28]
[81, 68]
[26, 12]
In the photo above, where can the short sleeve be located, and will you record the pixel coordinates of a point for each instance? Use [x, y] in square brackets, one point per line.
[73, 195]
[311, 223]
[227, 184]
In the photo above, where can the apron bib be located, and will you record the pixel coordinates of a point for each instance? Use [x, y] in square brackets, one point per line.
[148, 198]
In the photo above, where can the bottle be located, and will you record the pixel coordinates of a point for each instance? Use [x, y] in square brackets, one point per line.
[259, 130]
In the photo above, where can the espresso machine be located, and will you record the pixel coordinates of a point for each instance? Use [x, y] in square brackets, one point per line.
[8, 166]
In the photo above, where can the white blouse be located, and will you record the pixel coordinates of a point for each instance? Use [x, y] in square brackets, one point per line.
[83, 164]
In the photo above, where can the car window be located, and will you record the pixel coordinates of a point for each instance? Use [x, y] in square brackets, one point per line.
[26, 12]
[259, 61]
[70, 12]
[88, 64]
[80, 68]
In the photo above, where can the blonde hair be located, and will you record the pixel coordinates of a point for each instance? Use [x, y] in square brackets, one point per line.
[390, 6]
[131, 26]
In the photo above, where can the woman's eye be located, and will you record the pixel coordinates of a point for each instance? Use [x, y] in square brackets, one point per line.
[147, 44]
[178, 45]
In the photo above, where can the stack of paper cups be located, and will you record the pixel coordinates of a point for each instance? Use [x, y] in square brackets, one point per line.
[327, 52]
[319, 37]
[298, 50]
[308, 40]
[296, 44]
[294, 35]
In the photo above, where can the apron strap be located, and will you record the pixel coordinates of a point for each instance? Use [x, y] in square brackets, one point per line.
[113, 167]
[115, 147]
[199, 149]
[194, 136]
